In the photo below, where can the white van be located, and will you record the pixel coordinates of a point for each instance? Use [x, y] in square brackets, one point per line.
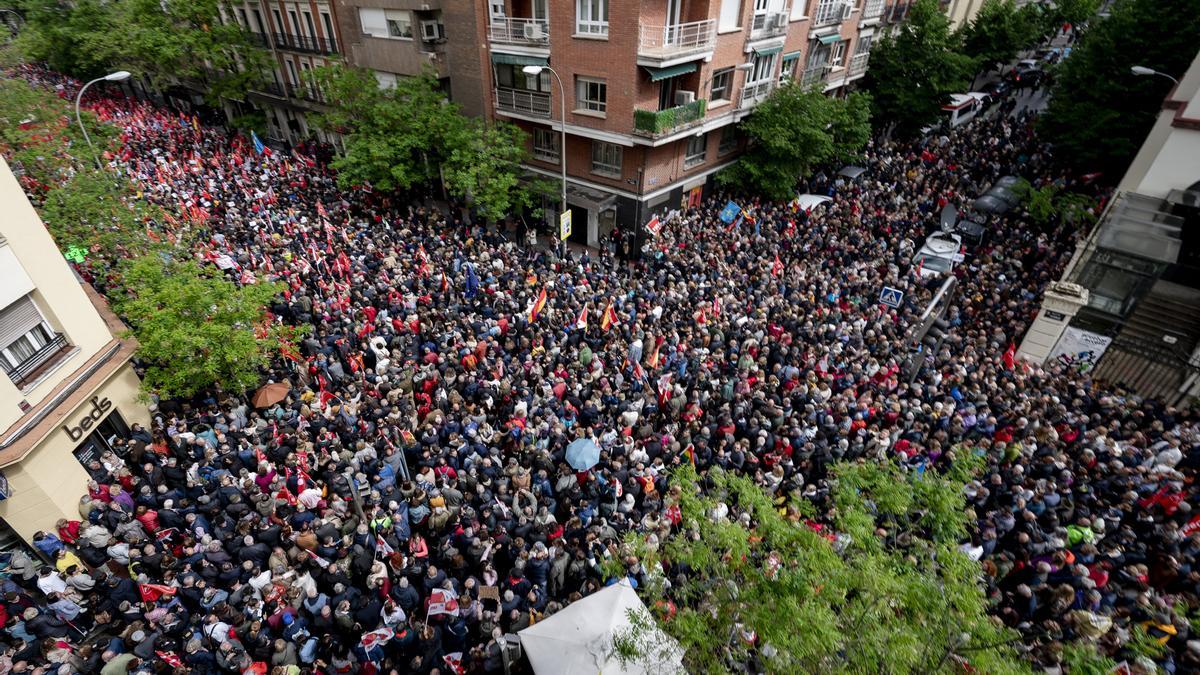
[962, 108]
[939, 254]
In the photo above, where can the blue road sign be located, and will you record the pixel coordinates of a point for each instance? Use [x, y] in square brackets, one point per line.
[892, 297]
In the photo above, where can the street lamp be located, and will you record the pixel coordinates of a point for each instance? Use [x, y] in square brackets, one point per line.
[1143, 70]
[562, 150]
[118, 76]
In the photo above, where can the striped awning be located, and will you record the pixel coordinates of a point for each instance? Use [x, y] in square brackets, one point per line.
[768, 51]
[519, 59]
[829, 39]
[659, 74]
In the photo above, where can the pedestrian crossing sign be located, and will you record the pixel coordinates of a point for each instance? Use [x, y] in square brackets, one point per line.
[892, 297]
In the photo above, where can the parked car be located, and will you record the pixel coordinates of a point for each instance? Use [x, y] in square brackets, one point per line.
[1026, 74]
[997, 89]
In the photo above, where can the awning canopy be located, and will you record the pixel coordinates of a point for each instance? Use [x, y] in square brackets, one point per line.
[829, 39]
[791, 56]
[658, 74]
[767, 51]
[519, 59]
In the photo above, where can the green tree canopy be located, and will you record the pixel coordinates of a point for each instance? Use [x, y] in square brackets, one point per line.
[395, 138]
[485, 169]
[165, 40]
[196, 328]
[915, 68]
[892, 592]
[998, 32]
[1100, 113]
[793, 131]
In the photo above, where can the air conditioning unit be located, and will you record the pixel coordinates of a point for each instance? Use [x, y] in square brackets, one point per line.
[685, 97]
[779, 21]
[533, 31]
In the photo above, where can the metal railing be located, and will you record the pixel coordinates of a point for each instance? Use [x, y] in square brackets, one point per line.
[535, 32]
[24, 372]
[768, 25]
[873, 8]
[831, 11]
[858, 64]
[534, 103]
[659, 122]
[677, 40]
[753, 93]
[257, 39]
[303, 43]
[813, 75]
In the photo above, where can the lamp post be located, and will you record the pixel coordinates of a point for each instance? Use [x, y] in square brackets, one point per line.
[118, 76]
[1143, 70]
[562, 150]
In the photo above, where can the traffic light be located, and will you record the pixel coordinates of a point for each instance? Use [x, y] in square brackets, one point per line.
[925, 337]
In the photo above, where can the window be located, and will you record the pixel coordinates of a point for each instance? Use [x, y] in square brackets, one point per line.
[243, 19]
[697, 148]
[591, 17]
[863, 46]
[513, 77]
[798, 7]
[838, 55]
[279, 21]
[731, 15]
[545, 145]
[591, 95]
[399, 23]
[788, 71]
[312, 29]
[432, 30]
[729, 140]
[329, 34]
[23, 336]
[606, 159]
[722, 85]
[296, 30]
[258, 22]
[291, 69]
[764, 67]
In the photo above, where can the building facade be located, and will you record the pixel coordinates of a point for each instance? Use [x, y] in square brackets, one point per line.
[653, 90]
[69, 388]
[1138, 323]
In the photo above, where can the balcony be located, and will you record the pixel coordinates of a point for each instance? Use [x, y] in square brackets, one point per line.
[520, 32]
[831, 12]
[873, 9]
[770, 25]
[656, 123]
[257, 39]
[40, 361]
[858, 64]
[660, 46]
[814, 75]
[522, 102]
[752, 94]
[303, 43]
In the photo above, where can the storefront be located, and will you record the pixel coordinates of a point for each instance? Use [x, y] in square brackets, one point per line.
[47, 481]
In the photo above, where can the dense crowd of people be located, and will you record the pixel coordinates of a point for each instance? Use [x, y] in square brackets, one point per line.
[448, 367]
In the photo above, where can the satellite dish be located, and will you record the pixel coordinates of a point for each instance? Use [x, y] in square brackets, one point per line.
[949, 218]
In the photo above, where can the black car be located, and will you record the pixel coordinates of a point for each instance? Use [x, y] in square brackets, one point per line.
[1027, 74]
[997, 90]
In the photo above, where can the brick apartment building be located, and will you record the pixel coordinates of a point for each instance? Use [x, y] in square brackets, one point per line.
[654, 89]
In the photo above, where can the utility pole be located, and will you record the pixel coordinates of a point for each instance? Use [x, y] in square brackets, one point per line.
[925, 337]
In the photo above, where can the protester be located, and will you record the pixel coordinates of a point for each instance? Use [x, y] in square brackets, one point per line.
[448, 367]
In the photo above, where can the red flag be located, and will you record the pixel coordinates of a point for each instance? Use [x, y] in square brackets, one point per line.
[152, 592]
[582, 322]
[1010, 357]
[442, 601]
[608, 318]
[170, 658]
[454, 662]
[538, 305]
[777, 267]
[445, 284]
[654, 226]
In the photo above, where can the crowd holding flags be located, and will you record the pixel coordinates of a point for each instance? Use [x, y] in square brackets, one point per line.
[535, 310]
[609, 317]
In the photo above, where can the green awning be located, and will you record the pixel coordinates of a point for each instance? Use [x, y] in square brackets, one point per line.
[768, 51]
[657, 74]
[519, 59]
[829, 39]
[791, 56]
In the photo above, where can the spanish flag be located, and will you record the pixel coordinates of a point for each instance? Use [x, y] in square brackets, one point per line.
[538, 305]
[608, 318]
[582, 322]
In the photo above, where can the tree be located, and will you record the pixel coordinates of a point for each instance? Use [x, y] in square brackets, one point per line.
[395, 138]
[94, 211]
[1073, 12]
[1099, 113]
[486, 170]
[880, 587]
[915, 68]
[165, 40]
[998, 32]
[195, 328]
[793, 131]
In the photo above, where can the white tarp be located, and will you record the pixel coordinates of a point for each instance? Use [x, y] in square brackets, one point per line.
[1079, 349]
[579, 639]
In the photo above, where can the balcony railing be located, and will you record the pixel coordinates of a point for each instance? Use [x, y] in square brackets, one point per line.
[529, 32]
[39, 361]
[768, 25]
[683, 39]
[533, 103]
[257, 39]
[858, 64]
[659, 122]
[303, 43]
[813, 74]
[831, 12]
[873, 9]
[753, 93]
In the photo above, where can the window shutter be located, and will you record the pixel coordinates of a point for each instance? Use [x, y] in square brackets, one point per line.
[374, 21]
[18, 319]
